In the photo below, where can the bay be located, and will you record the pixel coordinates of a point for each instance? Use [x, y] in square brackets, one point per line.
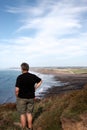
[7, 84]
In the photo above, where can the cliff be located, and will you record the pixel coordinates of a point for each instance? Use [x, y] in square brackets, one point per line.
[58, 112]
[63, 112]
[75, 116]
[70, 124]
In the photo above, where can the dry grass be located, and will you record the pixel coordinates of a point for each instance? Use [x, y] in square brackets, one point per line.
[49, 111]
[54, 108]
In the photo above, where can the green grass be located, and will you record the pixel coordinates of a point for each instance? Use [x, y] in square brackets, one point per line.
[78, 71]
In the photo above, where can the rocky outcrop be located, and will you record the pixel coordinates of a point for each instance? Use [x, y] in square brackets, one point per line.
[69, 124]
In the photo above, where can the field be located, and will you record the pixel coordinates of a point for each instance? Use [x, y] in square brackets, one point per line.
[60, 70]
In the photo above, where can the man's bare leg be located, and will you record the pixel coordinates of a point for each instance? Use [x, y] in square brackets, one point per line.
[29, 120]
[23, 120]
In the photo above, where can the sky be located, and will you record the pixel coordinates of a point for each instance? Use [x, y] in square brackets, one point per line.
[43, 33]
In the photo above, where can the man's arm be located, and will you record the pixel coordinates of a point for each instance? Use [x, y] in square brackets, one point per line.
[37, 85]
[16, 91]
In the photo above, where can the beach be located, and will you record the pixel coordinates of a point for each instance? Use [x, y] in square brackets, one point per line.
[55, 81]
[72, 79]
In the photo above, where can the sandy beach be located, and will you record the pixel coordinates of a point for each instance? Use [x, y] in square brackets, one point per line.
[70, 80]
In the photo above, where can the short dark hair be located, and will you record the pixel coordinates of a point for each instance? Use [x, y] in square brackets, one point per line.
[25, 66]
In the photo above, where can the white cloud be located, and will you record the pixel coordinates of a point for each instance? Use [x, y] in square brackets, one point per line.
[59, 33]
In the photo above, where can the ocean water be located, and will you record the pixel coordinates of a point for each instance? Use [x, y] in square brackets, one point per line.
[7, 84]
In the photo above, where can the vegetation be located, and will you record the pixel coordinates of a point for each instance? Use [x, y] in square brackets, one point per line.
[49, 111]
[63, 70]
[78, 70]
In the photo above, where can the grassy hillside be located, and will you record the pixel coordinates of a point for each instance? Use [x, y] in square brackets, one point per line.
[54, 108]
[48, 112]
[58, 70]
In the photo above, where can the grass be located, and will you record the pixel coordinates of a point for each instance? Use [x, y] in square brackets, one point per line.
[70, 105]
[78, 71]
[8, 115]
[68, 70]
[49, 111]
[77, 105]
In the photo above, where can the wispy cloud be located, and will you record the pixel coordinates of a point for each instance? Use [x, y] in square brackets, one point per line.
[60, 32]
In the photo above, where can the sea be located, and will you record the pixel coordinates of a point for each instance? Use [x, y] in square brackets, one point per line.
[8, 80]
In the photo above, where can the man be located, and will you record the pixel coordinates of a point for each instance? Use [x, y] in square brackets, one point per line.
[26, 84]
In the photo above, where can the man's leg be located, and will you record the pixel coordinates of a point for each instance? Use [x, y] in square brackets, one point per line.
[29, 120]
[23, 120]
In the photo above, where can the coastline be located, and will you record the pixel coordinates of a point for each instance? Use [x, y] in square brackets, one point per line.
[71, 83]
[70, 80]
[67, 107]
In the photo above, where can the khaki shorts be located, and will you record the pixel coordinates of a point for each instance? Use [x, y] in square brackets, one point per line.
[25, 105]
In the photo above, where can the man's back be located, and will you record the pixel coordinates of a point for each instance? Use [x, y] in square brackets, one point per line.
[26, 83]
[25, 87]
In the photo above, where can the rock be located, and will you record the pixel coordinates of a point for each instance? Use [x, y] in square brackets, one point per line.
[69, 124]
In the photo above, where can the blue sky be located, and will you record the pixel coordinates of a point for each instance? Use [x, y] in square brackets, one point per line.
[43, 32]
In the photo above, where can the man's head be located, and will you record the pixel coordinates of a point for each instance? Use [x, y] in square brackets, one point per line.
[24, 67]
